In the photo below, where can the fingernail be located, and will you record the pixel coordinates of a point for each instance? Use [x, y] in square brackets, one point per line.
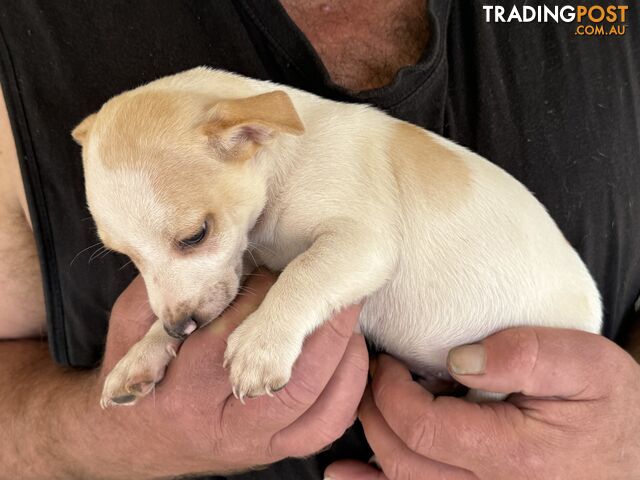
[373, 366]
[467, 359]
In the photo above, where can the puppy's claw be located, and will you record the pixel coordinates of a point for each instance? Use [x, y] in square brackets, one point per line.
[127, 396]
[280, 387]
[124, 400]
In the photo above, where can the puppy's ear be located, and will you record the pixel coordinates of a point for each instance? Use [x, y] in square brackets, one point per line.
[248, 123]
[81, 132]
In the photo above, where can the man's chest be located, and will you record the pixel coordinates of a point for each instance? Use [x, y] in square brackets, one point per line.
[363, 43]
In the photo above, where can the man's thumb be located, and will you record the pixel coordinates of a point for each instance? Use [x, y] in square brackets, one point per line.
[541, 362]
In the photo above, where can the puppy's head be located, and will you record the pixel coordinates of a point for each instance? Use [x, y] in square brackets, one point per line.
[174, 181]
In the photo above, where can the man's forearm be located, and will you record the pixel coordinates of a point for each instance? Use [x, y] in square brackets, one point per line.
[50, 428]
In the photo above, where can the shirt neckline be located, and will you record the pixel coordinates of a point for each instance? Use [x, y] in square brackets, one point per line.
[295, 48]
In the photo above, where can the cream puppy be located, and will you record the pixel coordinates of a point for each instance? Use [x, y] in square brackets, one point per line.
[187, 173]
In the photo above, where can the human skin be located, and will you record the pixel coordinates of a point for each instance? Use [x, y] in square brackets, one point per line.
[193, 423]
[576, 413]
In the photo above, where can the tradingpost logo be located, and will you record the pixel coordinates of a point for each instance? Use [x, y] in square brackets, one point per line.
[588, 20]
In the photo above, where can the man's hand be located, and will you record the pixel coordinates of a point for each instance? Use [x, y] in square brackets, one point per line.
[193, 424]
[576, 415]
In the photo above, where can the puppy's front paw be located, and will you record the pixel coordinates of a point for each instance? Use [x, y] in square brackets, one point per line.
[259, 361]
[136, 374]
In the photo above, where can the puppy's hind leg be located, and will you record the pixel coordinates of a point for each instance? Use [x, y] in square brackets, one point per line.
[135, 375]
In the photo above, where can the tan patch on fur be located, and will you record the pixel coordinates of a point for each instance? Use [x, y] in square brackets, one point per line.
[273, 109]
[147, 122]
[421, 160]
[173, 121]
[271, 112]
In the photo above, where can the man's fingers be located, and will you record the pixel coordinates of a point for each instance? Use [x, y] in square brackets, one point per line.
[446, 429]
[352, 470]
[397, 460]
[130, 320]
[321, 354]
[540, 362]
[248, 300]
[335, 409]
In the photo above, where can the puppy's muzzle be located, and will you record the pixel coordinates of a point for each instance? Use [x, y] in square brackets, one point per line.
[182, 328]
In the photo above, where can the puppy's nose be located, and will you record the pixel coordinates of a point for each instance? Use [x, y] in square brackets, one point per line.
[182, 328]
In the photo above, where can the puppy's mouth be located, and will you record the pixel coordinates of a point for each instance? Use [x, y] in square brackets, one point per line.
[229, 293]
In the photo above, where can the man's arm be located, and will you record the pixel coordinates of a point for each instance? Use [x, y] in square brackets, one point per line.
[21, 299]
[44, 410]
[51, 424]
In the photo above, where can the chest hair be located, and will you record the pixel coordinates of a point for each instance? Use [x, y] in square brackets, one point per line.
[363, 43]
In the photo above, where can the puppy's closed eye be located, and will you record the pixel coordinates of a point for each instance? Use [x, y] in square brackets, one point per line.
[196, 238]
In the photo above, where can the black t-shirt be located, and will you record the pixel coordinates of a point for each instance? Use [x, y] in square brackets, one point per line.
[559, 111]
